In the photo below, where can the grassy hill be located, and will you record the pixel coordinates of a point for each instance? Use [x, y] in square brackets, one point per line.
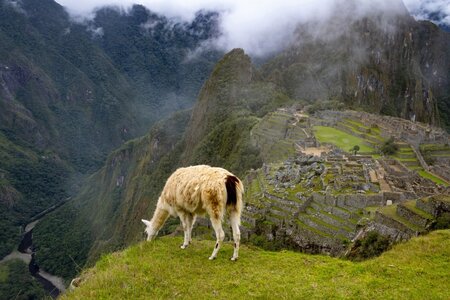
[418, 269]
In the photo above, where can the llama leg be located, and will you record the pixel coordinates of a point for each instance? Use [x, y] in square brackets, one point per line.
[185, 222]
[220, 235]
[235, 220]
[193, 219]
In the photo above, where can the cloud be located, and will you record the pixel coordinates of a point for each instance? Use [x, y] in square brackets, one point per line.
[437, 10]
[258, 26]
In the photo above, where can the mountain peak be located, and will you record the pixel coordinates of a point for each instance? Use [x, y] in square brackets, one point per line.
[219, 94]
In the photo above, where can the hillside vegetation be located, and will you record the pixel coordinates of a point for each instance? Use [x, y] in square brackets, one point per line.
[418, 269]
[68, 97]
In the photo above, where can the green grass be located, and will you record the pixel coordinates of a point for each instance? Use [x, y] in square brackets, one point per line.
[430, 176]
[391, 211]
[411, 205]
[340, 139]
[356, 123]
[418, 269]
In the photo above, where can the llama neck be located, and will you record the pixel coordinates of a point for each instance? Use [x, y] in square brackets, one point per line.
[159, 218]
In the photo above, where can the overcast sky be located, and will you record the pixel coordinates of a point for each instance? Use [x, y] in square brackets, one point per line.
[249, 23]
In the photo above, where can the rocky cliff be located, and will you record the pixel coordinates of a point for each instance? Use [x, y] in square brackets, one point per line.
[384, 63]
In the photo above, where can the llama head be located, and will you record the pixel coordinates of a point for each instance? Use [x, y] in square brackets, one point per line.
[151, 233]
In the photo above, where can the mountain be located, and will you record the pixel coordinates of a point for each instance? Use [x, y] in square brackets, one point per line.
[108, 209]
[386, 63]
[69, 96]
[158, 55]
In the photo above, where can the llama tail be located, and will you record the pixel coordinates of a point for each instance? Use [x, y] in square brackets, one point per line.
[235, 190]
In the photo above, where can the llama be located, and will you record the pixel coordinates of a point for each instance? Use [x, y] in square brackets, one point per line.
[197, 190]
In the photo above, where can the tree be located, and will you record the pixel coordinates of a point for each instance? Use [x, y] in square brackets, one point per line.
[389, 147]
[355, 149]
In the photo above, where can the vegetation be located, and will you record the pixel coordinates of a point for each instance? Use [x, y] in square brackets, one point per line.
[372, 245]
[443, 221]
[325, 105]
[62, 257]
[340, 139]
[355, 149]
[16, 282]
[228, 146]
[413, 270]
[430, 176]
[30, 182]
[389, 147]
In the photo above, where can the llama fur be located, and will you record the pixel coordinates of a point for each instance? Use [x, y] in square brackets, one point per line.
[197, 190]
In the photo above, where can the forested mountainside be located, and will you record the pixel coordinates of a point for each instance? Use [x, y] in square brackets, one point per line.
[69, 95]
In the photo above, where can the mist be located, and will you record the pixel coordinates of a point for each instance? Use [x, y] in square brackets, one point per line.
[260, 27]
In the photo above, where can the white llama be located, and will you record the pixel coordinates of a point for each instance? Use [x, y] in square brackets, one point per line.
[193, 191]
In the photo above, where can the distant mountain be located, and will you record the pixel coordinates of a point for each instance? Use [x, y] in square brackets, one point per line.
[158, 56]
[70, 93]
[436, 16]
[388, 64]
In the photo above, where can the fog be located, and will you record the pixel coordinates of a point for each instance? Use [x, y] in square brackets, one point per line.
[262, 26]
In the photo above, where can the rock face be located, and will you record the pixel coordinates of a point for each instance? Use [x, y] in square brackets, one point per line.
[387, 64]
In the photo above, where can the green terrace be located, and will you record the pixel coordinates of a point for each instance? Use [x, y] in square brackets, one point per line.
[371, 135]
[341, 139]
[350, 133]
[433, 152]
[279, 206]
[276, 136]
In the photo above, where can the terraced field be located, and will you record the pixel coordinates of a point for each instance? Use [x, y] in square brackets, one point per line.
[317, 203]
[412, 217]
[370, 135]
[341, 139]
[293, 207]
[435, 152]
[406, 155]
[276, 135]
[350, 132]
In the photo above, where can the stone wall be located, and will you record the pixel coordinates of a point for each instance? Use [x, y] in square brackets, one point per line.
[414, 133]
[393, 233]
[413, 217]
[433, 205]
[406, 233]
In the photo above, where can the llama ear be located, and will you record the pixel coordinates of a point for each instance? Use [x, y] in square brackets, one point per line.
[146, 222]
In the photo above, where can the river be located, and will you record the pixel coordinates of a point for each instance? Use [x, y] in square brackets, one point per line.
[54, 285]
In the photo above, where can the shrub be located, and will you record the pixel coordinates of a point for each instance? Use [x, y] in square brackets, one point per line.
[389, 147]
[443, 221]
[372, 245]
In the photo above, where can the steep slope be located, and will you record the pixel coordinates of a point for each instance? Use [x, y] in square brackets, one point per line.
[106, 213]
[69, 96]
[58, 109]
[384, 63]
[159, 56]
[59, 90]
[416, 269]
[125, 190]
